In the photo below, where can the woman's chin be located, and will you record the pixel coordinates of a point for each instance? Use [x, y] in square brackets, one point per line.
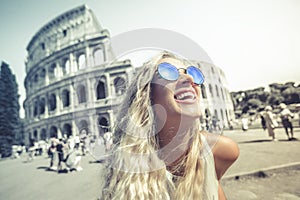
[190, 111]
[191, 115]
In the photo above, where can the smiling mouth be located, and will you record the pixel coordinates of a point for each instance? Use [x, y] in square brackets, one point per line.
[188, 97]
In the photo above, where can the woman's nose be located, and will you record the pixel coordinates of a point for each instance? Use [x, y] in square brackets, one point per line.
[184, 77]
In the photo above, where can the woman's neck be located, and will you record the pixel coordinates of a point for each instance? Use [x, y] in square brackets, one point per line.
[174, 140]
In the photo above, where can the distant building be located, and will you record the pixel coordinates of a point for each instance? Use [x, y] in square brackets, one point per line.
[72, 85]
[216, 102]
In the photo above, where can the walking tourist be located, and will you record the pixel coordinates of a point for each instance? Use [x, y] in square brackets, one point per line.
[286, 115]
[52, 152]
[60, 149]
[108, 140]
[271, 123]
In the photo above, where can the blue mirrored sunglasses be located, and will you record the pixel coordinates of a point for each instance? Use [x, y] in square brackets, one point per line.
[171, 73]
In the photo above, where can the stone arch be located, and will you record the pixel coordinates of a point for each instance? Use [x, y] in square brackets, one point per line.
[52, 71]
[216, 114]
[212, 69]
[65, 98]
[53, 132]
[217, 90]
[43, 134]
[203, 91]
[52, 102]
[120, 85]
[222, 93]
[81, 61]
[66, 66]
[98, 56]
[207, 113]
[81, 94]
[103, 125]
[211, 90]
[42, 106]
[83, 125]
[43, 75]
[215, 121]
[67, 130]
[207, 119]
[36, 108]
[35, 135]
[100, 90]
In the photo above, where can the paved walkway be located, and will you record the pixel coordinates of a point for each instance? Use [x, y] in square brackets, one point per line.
[265, 169]
[258, 151]
[31, 180]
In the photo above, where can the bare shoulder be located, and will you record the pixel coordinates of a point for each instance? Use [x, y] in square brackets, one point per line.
[222, 146]
[225, 151]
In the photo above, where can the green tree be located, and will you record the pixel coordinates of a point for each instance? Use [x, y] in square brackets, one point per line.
[254, 103]
[255, 100]
[263, 96]
[291, 95]
[9, 110]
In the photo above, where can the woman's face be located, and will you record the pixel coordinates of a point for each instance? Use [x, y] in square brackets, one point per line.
[175, 99]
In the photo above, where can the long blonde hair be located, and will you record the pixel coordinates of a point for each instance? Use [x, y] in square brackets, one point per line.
[135, 170]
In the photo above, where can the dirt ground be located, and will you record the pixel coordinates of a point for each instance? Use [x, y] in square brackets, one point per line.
[282, 184]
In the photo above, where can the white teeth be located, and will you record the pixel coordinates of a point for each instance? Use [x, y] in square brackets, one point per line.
[186, 95]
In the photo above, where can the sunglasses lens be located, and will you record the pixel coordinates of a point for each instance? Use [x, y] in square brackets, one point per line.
[196, 74]
[168, 71]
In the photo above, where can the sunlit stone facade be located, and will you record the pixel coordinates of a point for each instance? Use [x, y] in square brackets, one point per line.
[216, 102]
[72, 83]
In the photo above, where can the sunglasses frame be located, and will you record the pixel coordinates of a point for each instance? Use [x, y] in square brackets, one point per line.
[178, 74]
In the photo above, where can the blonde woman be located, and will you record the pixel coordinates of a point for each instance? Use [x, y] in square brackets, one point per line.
[159, 152]
[271, 123]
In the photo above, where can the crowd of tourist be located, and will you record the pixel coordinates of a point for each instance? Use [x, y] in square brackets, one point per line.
[65, 153]
[271, 120]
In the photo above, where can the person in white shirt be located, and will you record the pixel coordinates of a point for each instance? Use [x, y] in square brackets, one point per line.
[286, 115]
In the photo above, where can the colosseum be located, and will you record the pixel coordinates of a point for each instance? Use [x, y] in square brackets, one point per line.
[73, 81]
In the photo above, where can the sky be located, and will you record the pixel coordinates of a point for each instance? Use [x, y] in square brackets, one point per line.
[255, 42]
